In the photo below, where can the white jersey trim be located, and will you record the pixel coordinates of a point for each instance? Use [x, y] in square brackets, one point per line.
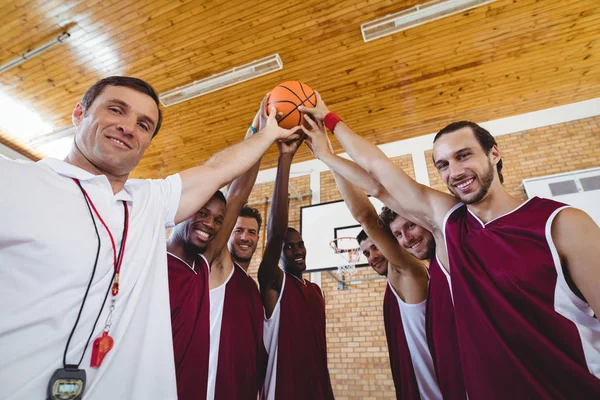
[191, 267]
[217, 302]
[573, 308]
[501, 216]
[446, 274]
[413, 322]
[271, 341]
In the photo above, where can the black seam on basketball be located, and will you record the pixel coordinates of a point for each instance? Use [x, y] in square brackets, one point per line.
[295, 108]
[280, 101]
[307, 97]
[291, 91]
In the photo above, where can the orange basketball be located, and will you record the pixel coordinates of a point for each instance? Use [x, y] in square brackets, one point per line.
[287, 97]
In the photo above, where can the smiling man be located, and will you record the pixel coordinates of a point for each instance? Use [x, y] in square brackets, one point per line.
[82, 249]
[524, 275]
[294, 308]
[244, 238]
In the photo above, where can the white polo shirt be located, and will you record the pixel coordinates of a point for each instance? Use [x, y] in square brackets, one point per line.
[47, 251]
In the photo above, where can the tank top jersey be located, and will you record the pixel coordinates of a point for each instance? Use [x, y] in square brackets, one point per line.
[237, 354]
[295, 341]
[410, 360]
[190, 313]
[442, 336]
[522, 332]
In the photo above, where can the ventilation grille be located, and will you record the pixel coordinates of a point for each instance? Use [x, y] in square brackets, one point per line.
[564, 187]
[590, 183]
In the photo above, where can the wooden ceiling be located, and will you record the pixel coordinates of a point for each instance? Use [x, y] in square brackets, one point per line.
[502, 59]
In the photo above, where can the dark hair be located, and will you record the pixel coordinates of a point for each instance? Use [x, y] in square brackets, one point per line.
[362, 235]
[126, 81]
[219, 195]
[251, 212]
[485, 139]
[387, 216]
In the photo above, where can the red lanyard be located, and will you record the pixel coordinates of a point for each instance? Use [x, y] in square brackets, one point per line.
[116, 262]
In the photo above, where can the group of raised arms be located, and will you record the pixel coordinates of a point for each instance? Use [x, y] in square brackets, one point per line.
[487, 297]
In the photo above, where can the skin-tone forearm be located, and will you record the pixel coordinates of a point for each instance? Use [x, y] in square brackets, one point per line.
[409, 276]
[419, 203]
[201, 182]
[416, 200]
[269, 270]
[237, 196]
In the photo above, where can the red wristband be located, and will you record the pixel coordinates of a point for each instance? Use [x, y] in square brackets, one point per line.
[331, 120]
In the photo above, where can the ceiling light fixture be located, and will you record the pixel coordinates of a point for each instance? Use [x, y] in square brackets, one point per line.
[32, 53]
[415, 16]
[222, 80]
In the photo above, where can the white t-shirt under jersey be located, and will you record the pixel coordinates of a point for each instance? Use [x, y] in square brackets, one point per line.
[47, 251]
[413, 322]
[217, 302]
[271, 341]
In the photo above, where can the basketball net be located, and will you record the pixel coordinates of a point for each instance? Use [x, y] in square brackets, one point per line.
[348, 249]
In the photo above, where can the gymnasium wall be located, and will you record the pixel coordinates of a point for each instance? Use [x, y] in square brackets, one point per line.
[357, 348]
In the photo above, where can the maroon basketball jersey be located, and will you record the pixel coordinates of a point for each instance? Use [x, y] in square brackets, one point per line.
[190, 316]
[242, 355]
[442, 336]
[302, 371]
[403, 372]
[523, 333]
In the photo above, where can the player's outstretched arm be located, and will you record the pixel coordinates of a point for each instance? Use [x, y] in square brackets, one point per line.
[413, 279]
[201, 182]
[577, 239]
[237, 196]
[320, 146]
[270, 276]
[420, 203]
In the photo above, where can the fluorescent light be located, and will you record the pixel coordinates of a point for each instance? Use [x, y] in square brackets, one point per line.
[21, 121]
[415, 16]
[32, 53]
[222, 80]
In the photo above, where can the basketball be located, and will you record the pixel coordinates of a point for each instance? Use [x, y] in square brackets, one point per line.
[287, 97]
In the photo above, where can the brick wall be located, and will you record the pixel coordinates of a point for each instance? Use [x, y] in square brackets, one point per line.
[357, 349]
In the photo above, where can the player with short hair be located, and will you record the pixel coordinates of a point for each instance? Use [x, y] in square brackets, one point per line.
[82, 248]
[245, 235]
[525, 277]
[294, 307]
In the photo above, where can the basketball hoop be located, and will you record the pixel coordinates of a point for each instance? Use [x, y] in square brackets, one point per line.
[348, 249]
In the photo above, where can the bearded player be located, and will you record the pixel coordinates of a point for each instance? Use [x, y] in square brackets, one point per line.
[525, 276]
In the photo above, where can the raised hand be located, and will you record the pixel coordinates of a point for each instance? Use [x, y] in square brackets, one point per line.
[318, 141]
[319, 112]
[290, 146]
[260, 119]
[276, 132]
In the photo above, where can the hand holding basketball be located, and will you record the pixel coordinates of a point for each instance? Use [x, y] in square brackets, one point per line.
[318, 141]
[319, 111]
[276, 132]
[290, 146]
[260, 119]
